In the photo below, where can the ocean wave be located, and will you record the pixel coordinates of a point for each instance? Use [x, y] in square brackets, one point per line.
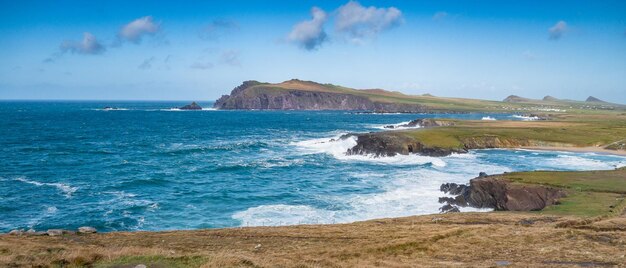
[396, 126]
[65, 188]
[260, 164]
[488, 118]
[176, 148]
[525, 118]
[338, 146]
[573, 162]
[413, 192]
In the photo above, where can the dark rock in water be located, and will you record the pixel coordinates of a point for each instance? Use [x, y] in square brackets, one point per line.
[390, 143]
[423, 122]
[449, 208]
[87, 230]
[453, 188]
[192, 106]
[482, 174]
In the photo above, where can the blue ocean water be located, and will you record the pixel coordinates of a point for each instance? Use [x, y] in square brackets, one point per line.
[149, 167]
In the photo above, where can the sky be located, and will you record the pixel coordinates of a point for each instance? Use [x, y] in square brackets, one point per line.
[200, 50]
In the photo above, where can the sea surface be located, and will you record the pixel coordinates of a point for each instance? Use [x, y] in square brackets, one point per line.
[148, 167]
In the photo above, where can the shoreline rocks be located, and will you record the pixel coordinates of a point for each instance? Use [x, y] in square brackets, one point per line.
[192, 106]
[422, 122]
[499, 194]
[53, 232]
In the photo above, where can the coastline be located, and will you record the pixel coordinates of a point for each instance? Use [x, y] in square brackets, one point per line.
[590, 149]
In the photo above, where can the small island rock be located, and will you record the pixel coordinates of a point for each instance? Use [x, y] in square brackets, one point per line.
[192, 106]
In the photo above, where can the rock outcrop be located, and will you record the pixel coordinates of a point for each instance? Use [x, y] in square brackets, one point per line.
[192, 106]
[500, 194]
[391, 143]
[422, 122]
[388, 144]
[303, 95]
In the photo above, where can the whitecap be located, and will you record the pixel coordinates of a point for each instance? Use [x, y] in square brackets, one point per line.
[525, 118]
[65, 188]
[338, 146]
[488, 118]
[397, 126]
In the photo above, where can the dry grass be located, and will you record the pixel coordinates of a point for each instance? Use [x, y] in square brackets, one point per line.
[465, 239]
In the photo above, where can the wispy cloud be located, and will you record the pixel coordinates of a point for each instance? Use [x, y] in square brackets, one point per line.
[529, 55]
[135, 30]
[88, 45]
[310, 34]
[201, 65]
[230, 57]
[218, 28]
[440, 15]
[147, 63]
[359, 22]
[557, 31]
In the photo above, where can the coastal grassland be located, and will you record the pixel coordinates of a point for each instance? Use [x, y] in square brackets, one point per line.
[589, 193]
[581, 130]
[457, 239]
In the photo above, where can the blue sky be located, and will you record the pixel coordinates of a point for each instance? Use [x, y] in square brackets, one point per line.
[201, 50]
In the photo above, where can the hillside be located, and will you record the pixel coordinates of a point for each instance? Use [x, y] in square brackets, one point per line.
[307, 95]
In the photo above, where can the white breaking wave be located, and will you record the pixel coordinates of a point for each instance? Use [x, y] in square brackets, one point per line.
[67, 189]
[567, 161]
[337, 147]
[488, 118]
[413, 192]
[396, 126]
[525, 118]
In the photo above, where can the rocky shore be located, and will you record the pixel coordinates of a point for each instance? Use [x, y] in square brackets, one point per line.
[53, 232]
[499, 194]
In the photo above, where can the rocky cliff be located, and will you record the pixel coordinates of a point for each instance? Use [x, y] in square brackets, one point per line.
[304, 95]
[499, 194]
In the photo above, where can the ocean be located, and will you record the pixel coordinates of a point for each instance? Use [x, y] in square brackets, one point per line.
[145, 166]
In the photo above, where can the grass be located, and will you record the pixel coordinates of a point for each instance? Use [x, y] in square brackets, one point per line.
[458, 239]
[589, 193]
[153, 261]
[578, 131]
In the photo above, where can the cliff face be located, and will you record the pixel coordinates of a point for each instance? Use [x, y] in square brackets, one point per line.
[500, 194]
[391, 143]
[303, 96]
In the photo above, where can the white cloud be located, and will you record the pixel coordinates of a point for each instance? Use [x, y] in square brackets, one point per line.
[310, 34]
[89, 45]
[440, 15]
[137, 29]
[557, 31]
[360, 22]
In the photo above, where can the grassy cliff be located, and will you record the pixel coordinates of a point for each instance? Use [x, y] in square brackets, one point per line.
[308, 95]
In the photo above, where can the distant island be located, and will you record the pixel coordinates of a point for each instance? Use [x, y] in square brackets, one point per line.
[308, 95]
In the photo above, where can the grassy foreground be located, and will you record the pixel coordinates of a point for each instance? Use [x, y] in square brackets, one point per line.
[588, 228]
